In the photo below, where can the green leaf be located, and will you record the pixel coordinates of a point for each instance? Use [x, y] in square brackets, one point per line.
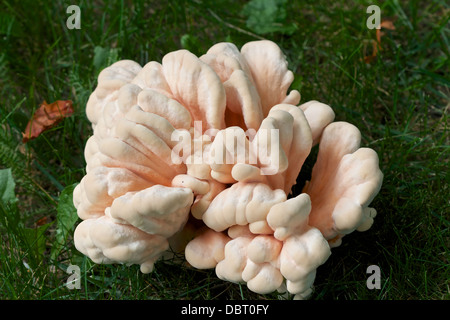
[267, 16]
[190, 43]
[65, 219]
[104, 57]
[36, 239]
[7, 186]
[9, 26]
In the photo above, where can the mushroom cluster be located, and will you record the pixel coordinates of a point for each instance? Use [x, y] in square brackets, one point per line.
[199, 155]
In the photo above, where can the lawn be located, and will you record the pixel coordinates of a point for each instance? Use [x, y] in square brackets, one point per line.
[398, 97]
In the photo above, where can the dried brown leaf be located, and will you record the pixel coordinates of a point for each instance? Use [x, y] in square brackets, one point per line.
[46, 117]
[376, 45]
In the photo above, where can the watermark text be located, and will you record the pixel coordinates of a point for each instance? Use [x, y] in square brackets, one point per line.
[74, 20]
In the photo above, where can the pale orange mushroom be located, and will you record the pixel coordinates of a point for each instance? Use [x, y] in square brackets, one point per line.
[201, 154]
[345, 179]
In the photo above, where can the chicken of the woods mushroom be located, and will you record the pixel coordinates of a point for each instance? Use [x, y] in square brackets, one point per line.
[220, 140]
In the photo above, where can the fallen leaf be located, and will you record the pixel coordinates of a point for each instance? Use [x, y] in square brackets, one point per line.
[46, 117]
[371, 57]
[376, 45]
[42, 221]
[386, 24]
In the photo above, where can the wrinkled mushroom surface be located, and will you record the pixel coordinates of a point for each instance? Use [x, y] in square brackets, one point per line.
[200, 154]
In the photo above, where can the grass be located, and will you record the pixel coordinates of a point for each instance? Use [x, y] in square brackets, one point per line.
[400, 102]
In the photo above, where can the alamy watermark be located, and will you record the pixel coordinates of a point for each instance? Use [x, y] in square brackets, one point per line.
[74, 280]
[374, 280]
[233, 147]
[374, 20]
[74, 20]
